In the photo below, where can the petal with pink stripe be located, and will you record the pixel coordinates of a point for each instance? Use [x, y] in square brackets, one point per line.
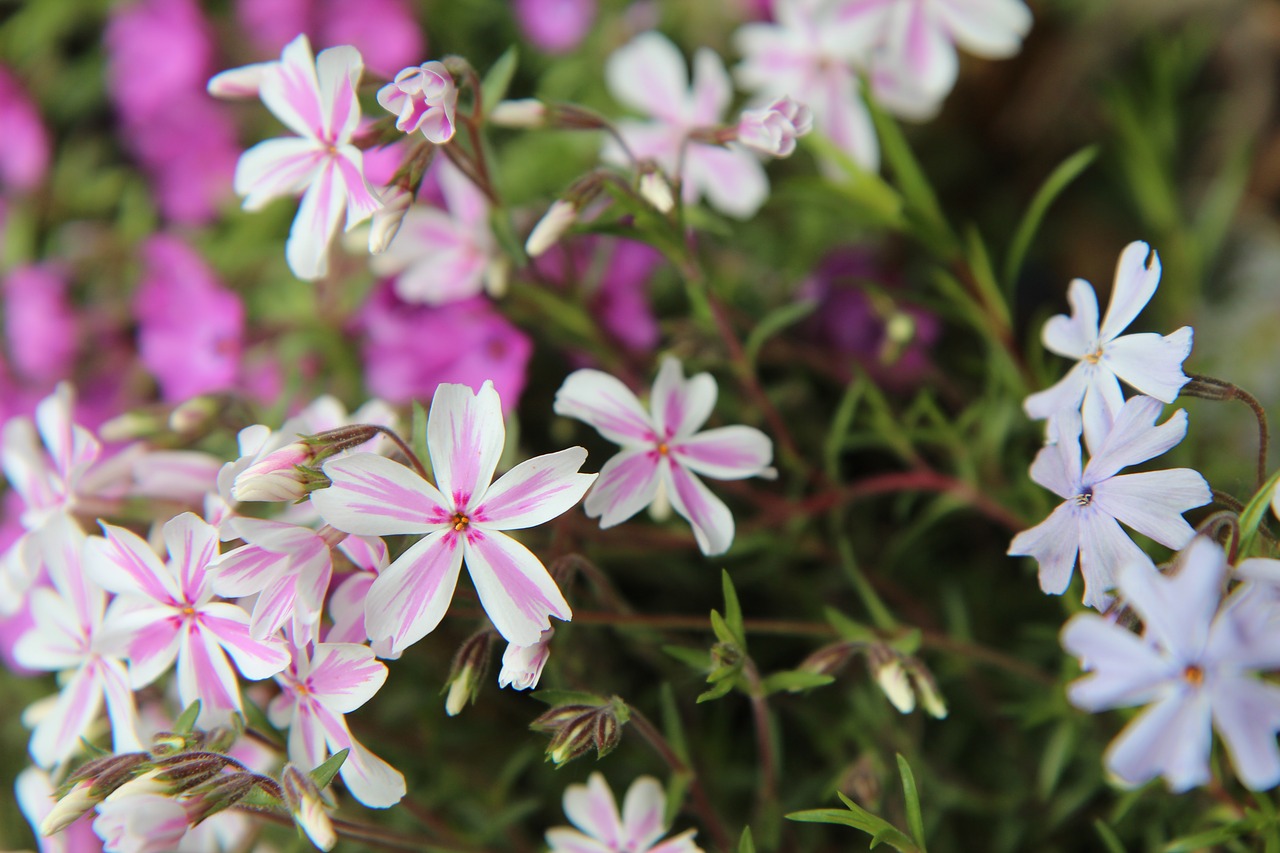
[726, 453]
[515, 588]
[681, 406]
[344, 676]
[465, 434]
[627, 484]
[373, 496]
[228, 624]
[409, 598]
[605, 403]
[535, 491]
[712, 522]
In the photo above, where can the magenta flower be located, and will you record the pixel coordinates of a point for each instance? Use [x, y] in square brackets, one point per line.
[813, 54]
[40, 326]
[463, 517]
[166, 613]
[663, 453]
[316, 99]
[649, 75]
[774, 129]
[1096, 497]
[593, 810]
[555, 26]
[24, 157]
[422, 97]
[442, 256]
[403, 360]
[384, 31]
[1150, 363]
[190, 327]
[1194, 666]
[67, 638]
[318, 689]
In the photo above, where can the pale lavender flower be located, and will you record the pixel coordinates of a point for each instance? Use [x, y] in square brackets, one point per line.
[774, 129]
[422, 97]
[811, 53]
[1096, 497]
[555, 26]
[1194, 666]
[316, 99]
[1149, 362]
[166, 613]
[319, 688]
[464, 517]
[24, 157]
[600, 829]
[649, 75]
[522, 665]
[664, 452]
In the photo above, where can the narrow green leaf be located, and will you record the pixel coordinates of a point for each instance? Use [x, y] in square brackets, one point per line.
[187, 719]
[696, 658]
[1057, 752]
[1108, 835]
[1211, 838]
[853, 631]
[732, 609]
[773, 323]
[795, 681]
[746, 844]
[880, 830]
[1254, 512]
[324, 774]
[840, 424]
[495, 83]
[720, 689]
[1059, 179]
[879, 203]
[723, 632]
[921, 201]
[418, 426]
[677, 789]
[672, 727]
[915, 818]
[984, 277]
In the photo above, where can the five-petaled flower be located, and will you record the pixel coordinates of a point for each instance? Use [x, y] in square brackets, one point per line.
[1096, 496]
[463, 517]
[424, 98]
[1194, 665]
[593, 810]
[663, 453]
[316, 99]
[1149, 362]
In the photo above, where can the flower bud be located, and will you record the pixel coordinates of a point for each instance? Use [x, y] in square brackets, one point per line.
[887, 668]
[773, 130]
[656, 189]
[470, 664]
[423, 98]
[577, 728]
[276, 476]
[386, 221]
[522, 665]
[307, 806]
[829, 659]
[551, 227]
[927, 690]
[91, 783]
[219, 794]
[195, 415]
[525, 113]
[69, 807]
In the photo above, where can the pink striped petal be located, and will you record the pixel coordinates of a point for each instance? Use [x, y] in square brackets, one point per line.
[409, 598]
[605, 403]
[372, 496]
[515, 588]
[193, 545]
[72, 447]
[229, 626]
[344, 676]
[535, 491]
[917, 43]
[204, 673]
[732, 179]
[242, 82]
[988, 28]
[307, 746]
[125, 564]
[681, 406]
[307, 249]
[277, 168]
[274, 607]
[727, 453]
[627, 484]
[372, 781]
[362, 201]
[465, 434]
[57, 736]
[649, 75]
[121, 708]
[592, 808]
[246, 570]
[346, 609]
[712, 522]
[291, 90]
[711, 92]
[642, 812]
[148, 636]
[338, 71]
[57, 641]
[368, 553]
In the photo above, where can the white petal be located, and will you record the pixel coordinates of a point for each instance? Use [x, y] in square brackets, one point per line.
[123, 563]
[372, 781]
[307, 249]
[1246, 713]
[465, 434]
[58, 734]
[535, 491]
[711, 520]
[649, 75]
[627, 484]
[1135, 284]
[229, 625]
[514, 587]
[291, 90]
[712, 92]
[1075, 336]
[592, 809]
[917, 43]
[345, 676]
[605, 403]
[1177, 610]
[681, 406]
[987, 28]
[277, 168]
[1135, 438]
[1121, 669]
[1151, 363]
[642, 812]
[1105, 549]
[338, 71]
[1054, 543]
[373, 496]
[731, 178]
[410, 597]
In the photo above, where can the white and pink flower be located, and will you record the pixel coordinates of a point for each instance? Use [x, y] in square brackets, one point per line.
[423, 98]
[601, 829]
[773, 130]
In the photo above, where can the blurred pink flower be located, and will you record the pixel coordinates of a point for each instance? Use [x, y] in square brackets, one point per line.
[620, 297]
[190, 328]
[24, 157]
[40, 327]
[555, 26]
[404, 359]
[384, 31]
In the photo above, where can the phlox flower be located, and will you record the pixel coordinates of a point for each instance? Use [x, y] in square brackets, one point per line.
[663, 453]
[384, 31]
[1149, 362]
[1194, 667]
[554, 26]
[143, 823]
[1096, 497]
[41, 329]
[422, 97]
[593, 810]
[165, 612]
[649, 75]
[319, 688]
[811, 53]
[522, 665]
[773, 130]
[316, 99]
[346, 603]
[66, 637]
[463, 517]
[444, 255]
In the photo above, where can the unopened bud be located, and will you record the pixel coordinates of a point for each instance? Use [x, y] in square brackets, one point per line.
[829, 659]
[276, 477]
[656, 189]
[497, 275]
[150, 782]
[386, 220]
[551, 227]
[887, 668]
[520, 113]
[70, 807]
[304, 801]
[131, 426]
[90, 784]
[773, 131]
[578, 728]
[195, 415]
[522, 665]
[927, 691]
[219, 794]
[470, 664]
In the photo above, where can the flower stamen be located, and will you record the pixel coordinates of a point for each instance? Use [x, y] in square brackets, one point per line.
[460, 522]
[1193, 675]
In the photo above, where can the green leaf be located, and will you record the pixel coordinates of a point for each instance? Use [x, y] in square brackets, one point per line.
[498, 78]
[1059, 179]
[850, 630]
[915, 819]
[418, 441]
[719, 689]
[672, 727]
[795, 681]
[324, 774]
[746, 844]
[921, 202]
[840, 423]
[186, 721]
[1254, 512]
[1210, 838]
[695, 658]
[677, 789]
[732, 609]
[1108, 835]
[773, 323]
[722, 630]
[879, 203]
[1057, 752]
[984, 277]
[880, 830]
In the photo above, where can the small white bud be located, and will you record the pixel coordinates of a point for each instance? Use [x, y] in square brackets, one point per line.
[386, 221]
[69, 808]
[655, 189]
[520, 113]
[551, 227]
[895, 684]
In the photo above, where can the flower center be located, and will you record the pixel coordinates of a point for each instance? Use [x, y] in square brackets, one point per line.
[188, 611]
[663, 449]
[1193, 675]
[460, 521]
[1095, 356]
[1084, 498]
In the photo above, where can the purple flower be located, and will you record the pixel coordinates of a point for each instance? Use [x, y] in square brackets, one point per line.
[594, 811]
[1096, 497]
[40, 326]
[1194, 667]
[649, 75]
[1150, 363]
[662, 454]
[190, 328]
[461, 518]
[555, 26]
[24, 157]
[403, 359]
[384, 31]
